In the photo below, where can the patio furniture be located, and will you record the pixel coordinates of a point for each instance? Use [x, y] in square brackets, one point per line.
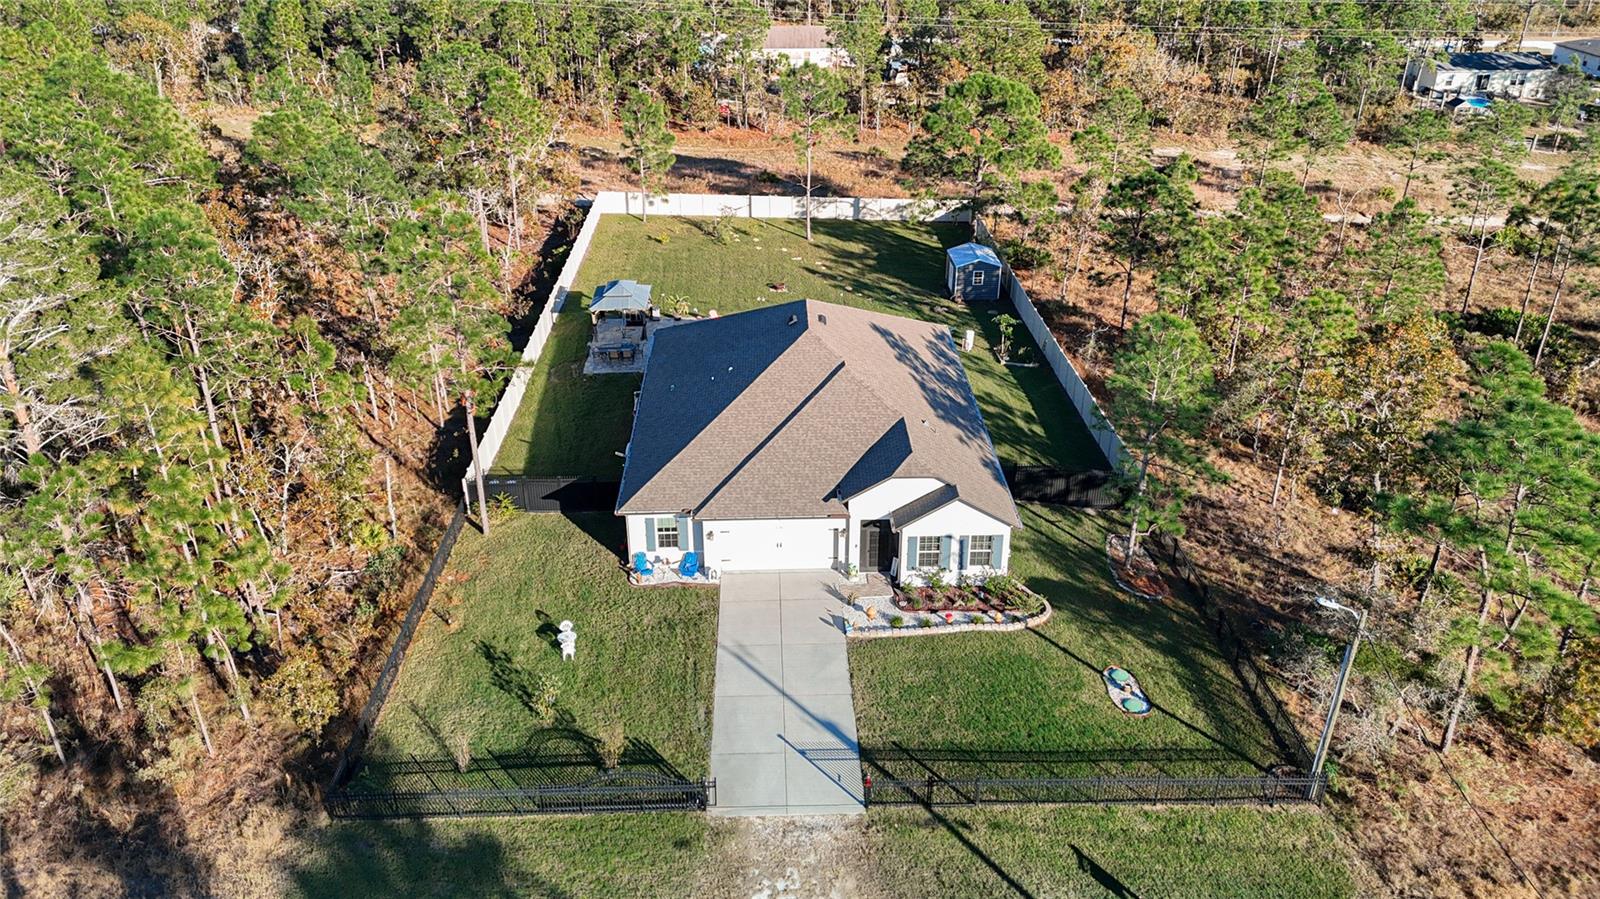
[617, 352]
[641, 564]
[690, 566]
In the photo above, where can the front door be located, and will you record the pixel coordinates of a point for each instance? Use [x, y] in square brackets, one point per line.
[877, 545]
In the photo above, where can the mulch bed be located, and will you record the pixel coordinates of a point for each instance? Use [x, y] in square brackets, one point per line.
[1139, 575]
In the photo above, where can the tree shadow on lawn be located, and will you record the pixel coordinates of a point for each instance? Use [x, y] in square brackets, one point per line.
[1169, 629]
[406, 858]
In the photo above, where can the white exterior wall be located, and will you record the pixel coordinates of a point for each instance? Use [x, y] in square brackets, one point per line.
[826, 57]
[877, 502]
[955, 521]
[668, 556]
[772, 544]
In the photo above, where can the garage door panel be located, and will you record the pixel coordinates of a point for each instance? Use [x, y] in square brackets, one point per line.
[770, 545]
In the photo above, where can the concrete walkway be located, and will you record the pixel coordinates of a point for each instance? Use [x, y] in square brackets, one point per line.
[783, 733]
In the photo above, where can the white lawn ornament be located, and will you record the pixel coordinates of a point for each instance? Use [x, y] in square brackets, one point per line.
[568, 640]
[966, 342]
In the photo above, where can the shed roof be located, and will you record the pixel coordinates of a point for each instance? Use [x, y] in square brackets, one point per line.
[1498, 62]
[621, 296]
[968, 253]
[790, 410]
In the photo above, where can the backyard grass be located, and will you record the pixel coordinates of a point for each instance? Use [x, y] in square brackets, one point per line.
[1041, 691]
[600, 856]
[570, 423]
[645, 658]
[1111, 851]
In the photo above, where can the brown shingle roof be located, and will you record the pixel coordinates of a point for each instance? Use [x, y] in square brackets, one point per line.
[787, 411]
[795, 37]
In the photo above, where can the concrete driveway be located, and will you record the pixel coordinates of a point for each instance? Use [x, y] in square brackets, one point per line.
[783, 727]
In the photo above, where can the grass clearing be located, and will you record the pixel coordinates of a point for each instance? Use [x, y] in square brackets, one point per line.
[600, 856]
[572, 424]
[1041, 691]
[645, 657]
[1111, 851]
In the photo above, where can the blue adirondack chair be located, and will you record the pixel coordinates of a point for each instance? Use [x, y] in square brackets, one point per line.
[642, 565]
[690, 566]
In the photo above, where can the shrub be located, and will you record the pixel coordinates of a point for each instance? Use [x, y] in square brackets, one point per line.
[501, 507]
[460, 751]
[896, 621]
[935, 580]
[610, 740]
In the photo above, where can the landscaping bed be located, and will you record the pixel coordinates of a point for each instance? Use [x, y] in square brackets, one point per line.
[999, 594]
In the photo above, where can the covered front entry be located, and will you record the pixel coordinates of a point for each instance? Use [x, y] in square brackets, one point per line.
[771, 544]
[878, 546]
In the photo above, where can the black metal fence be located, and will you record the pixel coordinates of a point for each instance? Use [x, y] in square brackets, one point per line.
[397, 654]
[1257, 685]
[1091, 489]
[554, 494]
[935, 791]
[615, 791]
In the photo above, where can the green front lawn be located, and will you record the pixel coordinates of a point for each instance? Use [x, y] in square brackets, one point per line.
[600, 856]
[1041, 691]
[570, 423]
[1111, 851]
[645, 656]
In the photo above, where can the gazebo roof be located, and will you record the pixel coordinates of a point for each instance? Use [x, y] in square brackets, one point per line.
[968, 253]
[621, 296]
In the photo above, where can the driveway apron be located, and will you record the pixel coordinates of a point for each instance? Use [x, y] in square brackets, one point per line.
[783, 731]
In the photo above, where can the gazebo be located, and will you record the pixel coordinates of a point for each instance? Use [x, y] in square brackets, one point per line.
[625, 299]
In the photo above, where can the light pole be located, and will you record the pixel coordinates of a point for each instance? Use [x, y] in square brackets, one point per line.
[1338, 686]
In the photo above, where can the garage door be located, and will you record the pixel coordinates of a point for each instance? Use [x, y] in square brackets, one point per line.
[770, 545]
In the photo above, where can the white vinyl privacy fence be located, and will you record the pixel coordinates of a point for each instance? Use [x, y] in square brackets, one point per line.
[1088, 408]
[609, 202]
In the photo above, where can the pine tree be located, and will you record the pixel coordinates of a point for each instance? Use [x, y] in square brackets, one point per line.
[648, 144]
[813, 102]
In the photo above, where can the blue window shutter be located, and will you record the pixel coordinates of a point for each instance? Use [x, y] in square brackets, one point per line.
[999, 551]
[911, 555]
[650, 535]
[684, 540]
[944, 552]
[699, 539]
[962, 556]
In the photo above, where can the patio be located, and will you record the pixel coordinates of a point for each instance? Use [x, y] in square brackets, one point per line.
[619, 346]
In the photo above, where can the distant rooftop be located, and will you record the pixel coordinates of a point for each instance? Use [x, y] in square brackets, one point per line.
[1589, 45]
[796, 37]
[1498, 62]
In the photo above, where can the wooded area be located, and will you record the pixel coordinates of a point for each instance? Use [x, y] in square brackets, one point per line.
[261, 265]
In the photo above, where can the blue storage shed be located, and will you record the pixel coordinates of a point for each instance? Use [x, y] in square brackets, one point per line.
[972, 272]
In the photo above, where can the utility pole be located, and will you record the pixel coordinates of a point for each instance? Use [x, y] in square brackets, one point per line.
[1338, 687]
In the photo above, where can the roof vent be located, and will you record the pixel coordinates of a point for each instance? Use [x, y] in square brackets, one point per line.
[794, 320]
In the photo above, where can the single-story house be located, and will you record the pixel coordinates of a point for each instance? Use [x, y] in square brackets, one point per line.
[625, 299]
[972, 272]
[810, 435]
[1512, 76]
[1585, 53]
[799, 44]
